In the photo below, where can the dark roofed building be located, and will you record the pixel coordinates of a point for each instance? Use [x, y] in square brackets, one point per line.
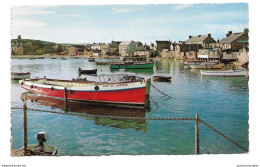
[204, 40]
[161, 44]
[235, 41]
[188, 47]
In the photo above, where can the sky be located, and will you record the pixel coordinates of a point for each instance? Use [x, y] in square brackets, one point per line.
[145, 23]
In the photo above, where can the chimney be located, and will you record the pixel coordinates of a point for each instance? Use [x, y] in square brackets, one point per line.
[246, 32]
[209, 35]
[190, 36]
[229, 33]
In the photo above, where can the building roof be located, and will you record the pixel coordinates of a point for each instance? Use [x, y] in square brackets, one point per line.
[162, 41]
[197, 38]
[231, 37]
[104, 46]
[125, 43]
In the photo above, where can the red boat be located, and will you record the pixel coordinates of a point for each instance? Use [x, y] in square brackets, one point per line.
[129, 90]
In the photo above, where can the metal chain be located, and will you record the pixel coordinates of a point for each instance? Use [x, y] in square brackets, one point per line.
[221, 134]
[103, 116]
[137, 118]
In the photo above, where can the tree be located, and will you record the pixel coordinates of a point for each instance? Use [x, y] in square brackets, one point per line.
[39, 52]
[59, 49]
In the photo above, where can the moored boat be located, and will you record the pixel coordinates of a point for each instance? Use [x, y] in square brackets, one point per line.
[207, 66]
[103, 63]
[132, 65]
[227, 73]
[194, 62]
[95, 109]
[162, 78]
[20, 75]
[91, 59]
[92, 71]
[126, 91]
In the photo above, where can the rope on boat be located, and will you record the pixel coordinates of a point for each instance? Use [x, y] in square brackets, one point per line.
[160, 91]
[154, 101]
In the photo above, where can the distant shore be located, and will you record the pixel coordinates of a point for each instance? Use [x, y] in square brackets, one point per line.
[60, 56]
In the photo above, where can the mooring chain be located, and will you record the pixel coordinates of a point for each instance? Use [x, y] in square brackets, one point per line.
[137, 118]
[104, 116]
[221, 134]
[160, 91]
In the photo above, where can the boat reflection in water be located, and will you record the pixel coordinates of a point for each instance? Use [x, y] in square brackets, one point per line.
[97, 109]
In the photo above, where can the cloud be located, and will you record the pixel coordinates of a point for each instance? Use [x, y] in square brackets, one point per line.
[180, 7]
[118, 10]
[21, 20]
[30, 10]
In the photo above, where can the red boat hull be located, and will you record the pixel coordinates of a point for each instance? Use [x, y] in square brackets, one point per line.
[127, 96]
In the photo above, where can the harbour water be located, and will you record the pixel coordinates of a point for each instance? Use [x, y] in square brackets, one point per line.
[220, 101]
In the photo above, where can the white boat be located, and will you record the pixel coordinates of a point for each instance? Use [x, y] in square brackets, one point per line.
[227, 73]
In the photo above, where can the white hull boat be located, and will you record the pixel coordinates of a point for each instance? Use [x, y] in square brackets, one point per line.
[231, 73]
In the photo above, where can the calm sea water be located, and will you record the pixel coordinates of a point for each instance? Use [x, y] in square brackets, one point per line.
[220, 101]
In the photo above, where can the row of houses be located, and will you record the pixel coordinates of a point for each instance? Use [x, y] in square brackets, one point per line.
[204, 47]
[195, 47]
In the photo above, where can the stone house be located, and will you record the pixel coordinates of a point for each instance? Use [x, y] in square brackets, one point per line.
[127, 48]
[235, 41]
[104, 49]
[206, 41]
[163, 44]
[142, 53]
[17, 42]
[72, 51]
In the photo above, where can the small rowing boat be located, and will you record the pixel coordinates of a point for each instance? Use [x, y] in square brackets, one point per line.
[162, 78]
[127, 90]
[92, 71]
[91, 59]
[227, 73]
[20, 75]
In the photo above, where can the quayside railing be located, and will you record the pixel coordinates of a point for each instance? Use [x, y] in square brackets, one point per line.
[196, 119]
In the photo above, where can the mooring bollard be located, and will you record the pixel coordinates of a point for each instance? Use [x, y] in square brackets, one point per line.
[25, 128]
[147, 94]
[65, 98]
[197, 135]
